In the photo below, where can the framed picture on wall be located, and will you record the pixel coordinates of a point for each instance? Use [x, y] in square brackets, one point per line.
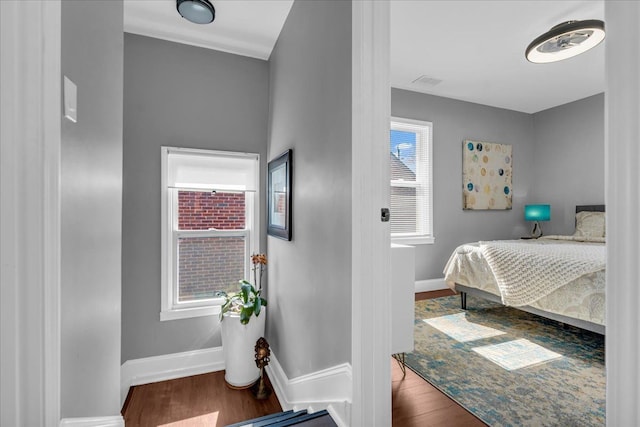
[279, 196]
[487, 169]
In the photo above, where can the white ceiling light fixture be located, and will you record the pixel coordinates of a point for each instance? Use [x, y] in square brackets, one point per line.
[196, 11]
[566, 40]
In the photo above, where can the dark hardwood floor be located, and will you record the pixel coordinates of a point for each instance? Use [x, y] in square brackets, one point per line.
[434, 294]
[416, 403]
[205, 400]
[200, 400]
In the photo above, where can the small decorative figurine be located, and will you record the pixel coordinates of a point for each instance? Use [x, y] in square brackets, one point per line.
[260, 389]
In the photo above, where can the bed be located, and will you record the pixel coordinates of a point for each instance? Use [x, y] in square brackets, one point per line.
[558, 277]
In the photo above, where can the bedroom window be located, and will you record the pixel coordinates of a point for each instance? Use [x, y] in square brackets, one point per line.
[209, 227]
[411, 182]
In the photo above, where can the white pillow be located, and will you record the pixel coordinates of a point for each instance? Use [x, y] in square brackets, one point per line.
[590, 224]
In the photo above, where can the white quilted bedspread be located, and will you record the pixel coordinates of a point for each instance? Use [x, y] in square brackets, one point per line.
[526, 272]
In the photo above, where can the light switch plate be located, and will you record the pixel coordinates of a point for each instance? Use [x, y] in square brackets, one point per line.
[70, 100]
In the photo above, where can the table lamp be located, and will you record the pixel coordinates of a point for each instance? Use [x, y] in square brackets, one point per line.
[537, 213]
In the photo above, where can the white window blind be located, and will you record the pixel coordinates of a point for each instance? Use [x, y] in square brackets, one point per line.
[202, 170]
[411, 180]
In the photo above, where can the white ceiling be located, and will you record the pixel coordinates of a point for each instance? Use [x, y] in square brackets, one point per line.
[476, 48]
[244, 27]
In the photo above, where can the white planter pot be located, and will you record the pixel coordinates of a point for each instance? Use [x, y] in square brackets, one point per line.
[238, 346]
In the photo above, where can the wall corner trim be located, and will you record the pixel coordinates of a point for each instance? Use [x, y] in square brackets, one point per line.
[169, 366]
[114, 421]
[326, 389]
[431, 285]
[341, 413]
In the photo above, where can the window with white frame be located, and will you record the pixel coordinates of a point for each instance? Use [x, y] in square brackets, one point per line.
[411, 181]
[210, 214]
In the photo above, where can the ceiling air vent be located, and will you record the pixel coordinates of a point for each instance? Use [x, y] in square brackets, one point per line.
[426, 81]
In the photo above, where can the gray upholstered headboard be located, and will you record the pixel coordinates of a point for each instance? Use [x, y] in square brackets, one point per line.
[590, 208]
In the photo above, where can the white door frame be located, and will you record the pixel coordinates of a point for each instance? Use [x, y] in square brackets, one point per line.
[30, 35]
[371, 250]
[622, 156]
[370, 324]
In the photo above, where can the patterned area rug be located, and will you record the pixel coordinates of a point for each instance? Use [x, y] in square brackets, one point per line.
[508, 367]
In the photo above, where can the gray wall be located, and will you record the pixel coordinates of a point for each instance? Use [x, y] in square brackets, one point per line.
[453, 121]
[569, 160]
[309, 318]
[91, 210]
[184, 96]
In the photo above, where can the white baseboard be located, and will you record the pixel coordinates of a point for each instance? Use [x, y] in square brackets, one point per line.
[326, 389]
[169, 366]
[431, 285]
[115, 421]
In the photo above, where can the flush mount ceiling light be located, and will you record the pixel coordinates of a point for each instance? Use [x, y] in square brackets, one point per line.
[565, 40]
[196, 11]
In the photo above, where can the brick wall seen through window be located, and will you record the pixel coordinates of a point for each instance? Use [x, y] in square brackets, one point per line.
[199, 210]
[210, 264]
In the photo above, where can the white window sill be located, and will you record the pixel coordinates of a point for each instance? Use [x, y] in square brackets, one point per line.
[418, 240]
[186, 313]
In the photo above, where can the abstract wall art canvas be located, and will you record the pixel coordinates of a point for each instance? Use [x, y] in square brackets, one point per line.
[486, 175]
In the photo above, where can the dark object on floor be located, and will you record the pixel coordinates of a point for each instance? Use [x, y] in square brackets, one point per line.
[260, 390]
[290, 418]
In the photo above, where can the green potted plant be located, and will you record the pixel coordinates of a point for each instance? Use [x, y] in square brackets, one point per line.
[239, 331]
